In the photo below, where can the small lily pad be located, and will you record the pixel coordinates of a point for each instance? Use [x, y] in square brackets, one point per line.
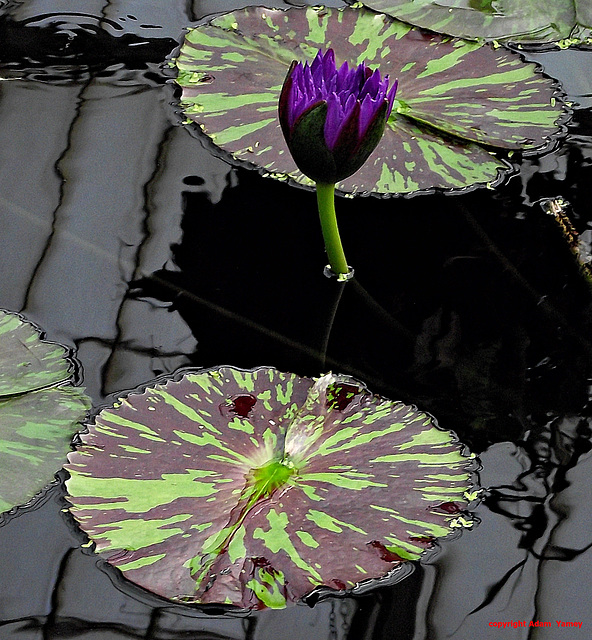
[252, 488]
[456, 100]
[40, 410]
[527, 21]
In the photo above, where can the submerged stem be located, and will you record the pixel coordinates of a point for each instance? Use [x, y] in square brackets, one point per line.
[326, 204]
[337, 290]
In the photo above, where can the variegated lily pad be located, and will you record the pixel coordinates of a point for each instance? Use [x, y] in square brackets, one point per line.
[252, 488]
[40, 410]
[456, 99]
[528, 21]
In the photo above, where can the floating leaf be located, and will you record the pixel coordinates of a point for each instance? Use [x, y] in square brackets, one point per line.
[531, 21]
[252, 488]
[453, 95]
[39, 410]
[28, 363]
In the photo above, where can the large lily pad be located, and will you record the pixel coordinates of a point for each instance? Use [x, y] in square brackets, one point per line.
[456, 99]
[40, 410]
[528, 21]
[252, 488]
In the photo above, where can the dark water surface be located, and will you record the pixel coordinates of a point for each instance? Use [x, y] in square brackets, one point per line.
[124, 237]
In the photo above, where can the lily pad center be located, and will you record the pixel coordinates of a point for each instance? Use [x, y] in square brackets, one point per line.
[271, 476]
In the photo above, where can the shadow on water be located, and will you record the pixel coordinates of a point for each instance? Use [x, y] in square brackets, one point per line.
[148, 253]
[449, 308]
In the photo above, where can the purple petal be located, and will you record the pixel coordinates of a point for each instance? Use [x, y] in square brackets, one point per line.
[348, 139]
[318, 81]
[371, 86]
[329, 64]
[340, 113]
[334, 121]
[308, 84]
[289, 105]
[368, 110]
[358, 78]
[292, 101]
[349, 105]
[391, 97]
[383, 88]
[303, 93]
[317, 63]
[342, 77]
[353, 95]
[298, 79]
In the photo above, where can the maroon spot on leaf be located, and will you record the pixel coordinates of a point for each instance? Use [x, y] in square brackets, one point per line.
[338, 584]
[339, 397]
[265, 564]
[448, 507]
[240, 405]
[262, 570]
[383, 553]
[260, 562]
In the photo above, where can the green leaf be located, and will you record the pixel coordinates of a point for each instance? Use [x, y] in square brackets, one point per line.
[456, 100]
[40, 410]
[252, 488]
[529, 21]
[28, 363]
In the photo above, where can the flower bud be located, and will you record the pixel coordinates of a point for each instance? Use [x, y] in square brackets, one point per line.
[332, 118]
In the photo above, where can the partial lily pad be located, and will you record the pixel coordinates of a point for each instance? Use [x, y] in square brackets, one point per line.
[40, 410]
[252, 488]
[455, 102]
[27, 362]
[527, 21]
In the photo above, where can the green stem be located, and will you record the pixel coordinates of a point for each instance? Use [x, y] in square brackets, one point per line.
[326, 203]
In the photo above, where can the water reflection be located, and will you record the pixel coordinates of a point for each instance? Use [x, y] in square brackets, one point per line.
[62, 209]
[532, 537]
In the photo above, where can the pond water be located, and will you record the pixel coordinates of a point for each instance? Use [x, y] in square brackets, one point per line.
[127, 238]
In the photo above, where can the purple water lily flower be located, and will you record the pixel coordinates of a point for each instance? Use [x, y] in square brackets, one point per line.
[332, 118]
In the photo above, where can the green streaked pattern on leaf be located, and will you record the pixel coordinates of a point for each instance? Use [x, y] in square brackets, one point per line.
[530, 21]
[39, 410]
[28, 363]
[453, 95]
[253, 487]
